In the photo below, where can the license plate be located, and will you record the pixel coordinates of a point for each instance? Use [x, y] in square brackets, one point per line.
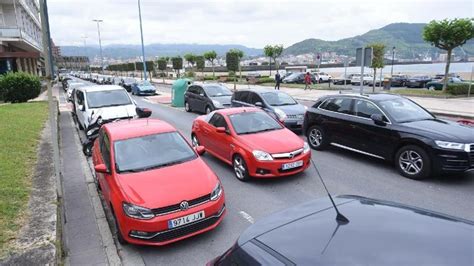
[287, 166]
[299, 123]
[186, 219]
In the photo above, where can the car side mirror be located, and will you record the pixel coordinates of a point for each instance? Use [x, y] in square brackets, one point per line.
[101, 168]
[259, 104]
[378, 119]
[82, 107]
[220, 130]
[143, 112]
[200, 150]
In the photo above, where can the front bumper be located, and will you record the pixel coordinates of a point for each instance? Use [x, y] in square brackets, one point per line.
[447, 161]
[294, 124]
[157, 228]
[146, 92]
[269, 169]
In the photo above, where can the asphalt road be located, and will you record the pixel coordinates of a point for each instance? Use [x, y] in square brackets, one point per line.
[344, 173]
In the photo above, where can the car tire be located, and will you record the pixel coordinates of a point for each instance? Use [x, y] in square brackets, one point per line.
[119, 235]
[413, 162]
[80, 125]
[316, 137]
[195, 141]
[187, 108]
[240, 168]
[208, 109]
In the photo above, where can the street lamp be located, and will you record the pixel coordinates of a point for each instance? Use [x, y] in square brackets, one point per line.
[100, 44]
[141, 33]
[85, 49]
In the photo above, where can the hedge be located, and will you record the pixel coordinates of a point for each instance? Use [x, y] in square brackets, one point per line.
[265, 80]
[458, 89]
[19, 87]
[210, 78]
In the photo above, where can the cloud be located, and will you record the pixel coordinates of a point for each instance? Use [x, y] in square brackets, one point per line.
[252, 23]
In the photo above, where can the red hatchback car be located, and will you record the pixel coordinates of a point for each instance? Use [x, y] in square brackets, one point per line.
[158, 188]
[252, 141]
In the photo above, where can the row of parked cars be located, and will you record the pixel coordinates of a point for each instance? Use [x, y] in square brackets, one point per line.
[159, 189]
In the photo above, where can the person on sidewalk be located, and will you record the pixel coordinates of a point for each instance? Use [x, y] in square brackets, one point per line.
[307, 81]
[277, 81]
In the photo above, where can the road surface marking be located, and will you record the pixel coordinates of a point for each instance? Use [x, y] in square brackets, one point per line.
[247, 217]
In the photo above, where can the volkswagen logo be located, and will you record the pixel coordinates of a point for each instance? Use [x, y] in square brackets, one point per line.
[184, 205]
[291, 155]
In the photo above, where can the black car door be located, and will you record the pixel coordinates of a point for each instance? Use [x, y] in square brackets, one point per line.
[190, 97]
[201, 101]
[337, 118]
[368, 136]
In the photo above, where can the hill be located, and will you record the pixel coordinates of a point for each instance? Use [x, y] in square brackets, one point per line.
[406, 37]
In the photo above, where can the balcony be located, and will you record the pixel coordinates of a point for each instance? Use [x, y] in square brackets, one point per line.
[21, 39]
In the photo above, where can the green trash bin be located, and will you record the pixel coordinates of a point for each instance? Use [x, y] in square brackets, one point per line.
[177, 92]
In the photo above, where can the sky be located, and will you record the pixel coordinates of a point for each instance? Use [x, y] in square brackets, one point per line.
[251, 23]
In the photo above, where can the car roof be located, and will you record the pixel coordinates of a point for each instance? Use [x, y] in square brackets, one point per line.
[258, 90]
[101, 88]
[378, 232]
[373, 96]
[237, 110]
[132, 128]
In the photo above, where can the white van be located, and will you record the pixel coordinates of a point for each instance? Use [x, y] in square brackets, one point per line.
[113, 101]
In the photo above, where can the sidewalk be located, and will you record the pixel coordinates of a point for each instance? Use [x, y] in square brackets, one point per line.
[457, 107]
[84, 220]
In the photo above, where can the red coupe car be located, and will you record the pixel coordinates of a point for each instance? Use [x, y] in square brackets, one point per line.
[158, 188]
[253, 142]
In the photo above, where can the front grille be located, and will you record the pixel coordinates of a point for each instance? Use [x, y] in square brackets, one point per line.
[187, 229]
[287, 155]
[295, 117]
[175, 207]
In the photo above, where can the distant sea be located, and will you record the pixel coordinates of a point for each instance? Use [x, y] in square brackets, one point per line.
[462, 67]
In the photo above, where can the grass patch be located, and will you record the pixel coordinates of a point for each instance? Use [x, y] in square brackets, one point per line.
[20, 129]
[422, 92]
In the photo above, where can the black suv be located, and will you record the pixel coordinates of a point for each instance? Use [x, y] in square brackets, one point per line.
[392, 128]
[206, 97]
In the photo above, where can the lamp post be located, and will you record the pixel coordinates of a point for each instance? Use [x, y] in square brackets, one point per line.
[391, 71]
[84, 37]
[141, 34]
[100, 44]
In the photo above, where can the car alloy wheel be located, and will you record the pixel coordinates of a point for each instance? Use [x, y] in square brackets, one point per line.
[240, 168]
[194, 141]
[413, 162]
[316, 138]
[186, 107]
[208, 109]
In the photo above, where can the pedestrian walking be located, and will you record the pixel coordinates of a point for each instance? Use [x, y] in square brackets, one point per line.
[277, 81]
[307, 81]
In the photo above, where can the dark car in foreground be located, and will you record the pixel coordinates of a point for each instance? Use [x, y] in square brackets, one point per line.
[418, 81]
[206, 98]
[378, 233]
[278, 103]
[392, 128]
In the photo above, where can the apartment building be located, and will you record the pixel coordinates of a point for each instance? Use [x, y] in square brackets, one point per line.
[20, 36]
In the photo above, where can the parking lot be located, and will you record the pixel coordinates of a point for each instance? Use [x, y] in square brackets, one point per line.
[344, 172]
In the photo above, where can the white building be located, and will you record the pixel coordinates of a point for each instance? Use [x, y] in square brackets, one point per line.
[20, 36]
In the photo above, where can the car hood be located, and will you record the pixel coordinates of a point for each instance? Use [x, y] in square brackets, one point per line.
[113, 112]
[168, 185]
[146, 87]
[378, 233]
[224, 100]
[295, 109]
[276, 141]
[444, 130]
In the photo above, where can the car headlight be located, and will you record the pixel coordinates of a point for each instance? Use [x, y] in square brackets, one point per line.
[216, 192]
[450, 145]
[262, 156]
[281, 115]
[306, 147]
[90, 132]
[217, 104]
[137, 212]
[305, 107]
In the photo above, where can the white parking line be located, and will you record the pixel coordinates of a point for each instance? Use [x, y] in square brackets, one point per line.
[247, 217]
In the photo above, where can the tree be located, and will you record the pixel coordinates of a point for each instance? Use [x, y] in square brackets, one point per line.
[378, 52]
[200, 64]
[150, 66]
[211, 56]
[190, 58]
[162, 64]
[232, 62]
[240, 54]
[447, 35]
[273, 51]
[177, 63]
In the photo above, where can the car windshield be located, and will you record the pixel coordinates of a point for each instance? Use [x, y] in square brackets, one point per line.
[404, 110]
[97, 99]
[278, 98]
[146, 83]
[151, 152]
[253, 122]
[217, 91]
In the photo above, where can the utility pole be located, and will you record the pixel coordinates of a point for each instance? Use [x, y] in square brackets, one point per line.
[100, 45]
[85, 50]
[48, 55]
[141, 33]
[391, 71]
